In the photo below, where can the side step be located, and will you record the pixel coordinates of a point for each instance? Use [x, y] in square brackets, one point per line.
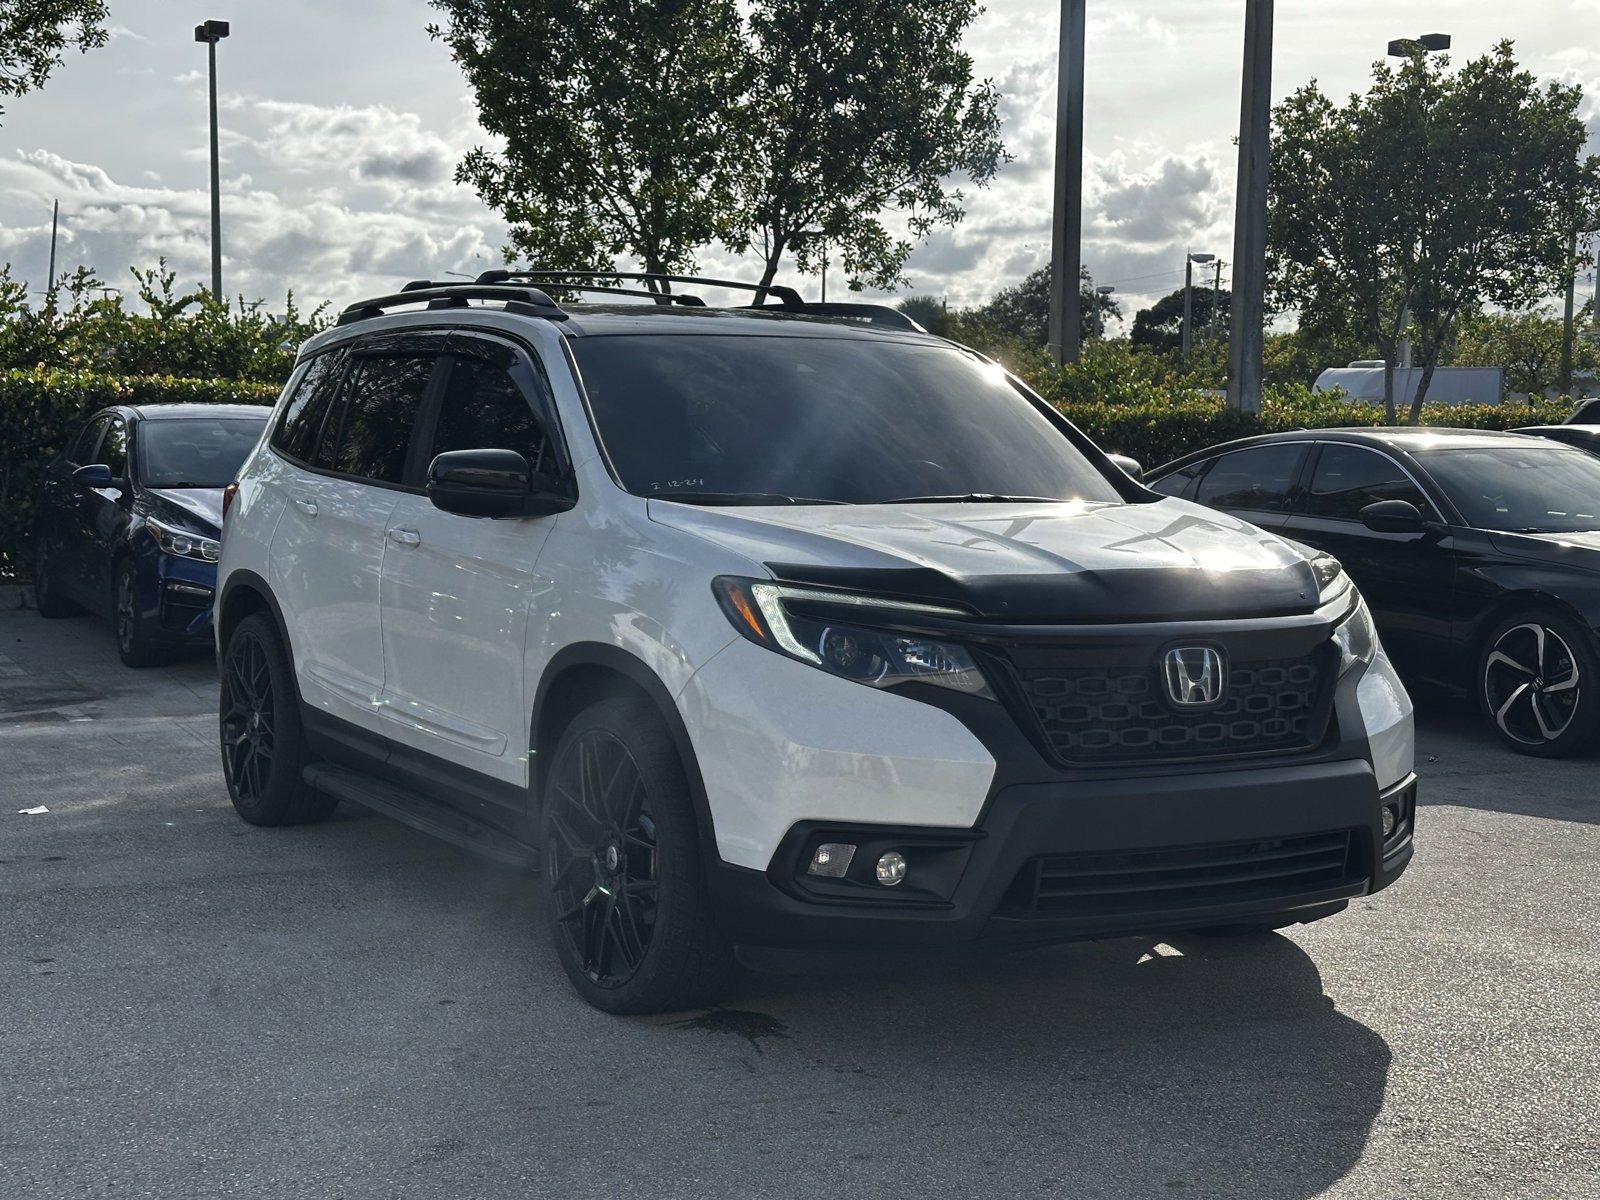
[419, 812]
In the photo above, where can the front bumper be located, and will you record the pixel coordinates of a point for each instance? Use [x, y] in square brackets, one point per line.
[1161, 855]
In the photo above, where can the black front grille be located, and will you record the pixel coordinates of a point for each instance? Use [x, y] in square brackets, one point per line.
[1162, 881]
[1114, 709]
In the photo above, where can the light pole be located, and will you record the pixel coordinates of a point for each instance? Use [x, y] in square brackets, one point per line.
[212, 32]
[1567, 324]
[1188, 299]
[1216, 301]
[1066, 250]
[55, 220]
[1101, 292]
[1248, 316]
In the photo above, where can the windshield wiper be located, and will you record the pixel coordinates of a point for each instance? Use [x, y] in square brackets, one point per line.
[732, 498]
[975, 498]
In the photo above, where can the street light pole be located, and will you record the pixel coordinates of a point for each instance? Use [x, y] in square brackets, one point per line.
[1066, 251]
[1188, 299]
[1100, 294]
[1566, 324]
[212, 32]
[55, 220]
[1248, 316]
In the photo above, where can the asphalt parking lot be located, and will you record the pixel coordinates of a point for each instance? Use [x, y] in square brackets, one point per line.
[192, 1007]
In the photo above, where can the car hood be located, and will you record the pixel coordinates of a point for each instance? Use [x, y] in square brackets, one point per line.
[1580, 549]
[1169, 560]
[199, 509]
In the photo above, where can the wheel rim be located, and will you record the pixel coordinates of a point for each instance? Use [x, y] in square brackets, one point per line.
[125, 610]
[602, 858]
[248, 724]
[1531, 683]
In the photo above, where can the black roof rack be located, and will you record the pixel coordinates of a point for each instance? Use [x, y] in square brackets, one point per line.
[526, 300]
[872, 314]
[787, 297]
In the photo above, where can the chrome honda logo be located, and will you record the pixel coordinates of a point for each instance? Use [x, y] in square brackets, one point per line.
[1194, 675]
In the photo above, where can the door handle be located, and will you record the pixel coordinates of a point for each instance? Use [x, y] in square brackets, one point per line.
[309, 507]
[405, 537]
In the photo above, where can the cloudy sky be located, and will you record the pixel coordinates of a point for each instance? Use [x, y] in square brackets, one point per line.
[342, 123]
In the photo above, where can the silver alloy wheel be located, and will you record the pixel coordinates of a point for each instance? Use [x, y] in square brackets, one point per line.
[1531, 684]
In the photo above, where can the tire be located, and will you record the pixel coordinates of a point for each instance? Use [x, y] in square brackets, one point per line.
[623, 881]
[133, 645]
[51, 604]
[258, 719]
[1538, 684]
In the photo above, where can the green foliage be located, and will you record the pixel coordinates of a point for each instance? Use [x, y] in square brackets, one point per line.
[34, 33]
[1160, 327]
[82, 325]
[1428, 199]
[42, 408]
[1527, 345]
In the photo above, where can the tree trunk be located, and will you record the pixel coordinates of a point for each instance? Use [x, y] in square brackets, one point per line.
[770, 270]
[1388, 387]
[1428, 364]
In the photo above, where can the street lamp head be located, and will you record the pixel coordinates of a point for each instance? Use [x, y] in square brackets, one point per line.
[1428, 43]
[1105, 289]
[1202, 258]
[211, 31]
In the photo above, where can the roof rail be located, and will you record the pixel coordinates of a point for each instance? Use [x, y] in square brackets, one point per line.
[870, 314]
[786, 296]
[526, 300]
[682, 299]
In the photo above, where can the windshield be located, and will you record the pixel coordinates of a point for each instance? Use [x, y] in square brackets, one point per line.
[195, 452]
[750, 419]
[1522, 489]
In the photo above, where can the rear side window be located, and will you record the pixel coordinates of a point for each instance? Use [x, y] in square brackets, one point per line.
[484, 409]
[1259, 479]
[380, 408]
[1348, 478]
[300, 429]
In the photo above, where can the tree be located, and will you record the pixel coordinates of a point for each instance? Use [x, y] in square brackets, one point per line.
[854, 108]
[34, 33]
[1425, 200]
[1526, 344]
[616, 118]
[1023, 310]
[1160, 327]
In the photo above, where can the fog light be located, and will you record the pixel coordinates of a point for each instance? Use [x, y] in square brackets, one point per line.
[831, 859]
[1390, 819]
[891, 868]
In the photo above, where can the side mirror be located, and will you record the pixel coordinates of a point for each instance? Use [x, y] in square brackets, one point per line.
[1393, 516]
[489, 483]
[1130, 466]
[95, 475]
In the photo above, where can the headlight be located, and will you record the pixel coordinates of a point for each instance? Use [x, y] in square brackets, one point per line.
[1332, 582]
[877, 658]
[1339, 602]
[1356, 638]
[183, 543]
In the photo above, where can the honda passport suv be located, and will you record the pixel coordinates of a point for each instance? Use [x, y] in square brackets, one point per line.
[782, 625]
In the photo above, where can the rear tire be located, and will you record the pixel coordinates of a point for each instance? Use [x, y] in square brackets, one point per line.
[133, 644]
[263, 745]
[623, 881]
[50, 603]
[1539, 684]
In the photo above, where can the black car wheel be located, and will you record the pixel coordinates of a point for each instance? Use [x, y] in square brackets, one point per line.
[133, 644]
[263, 749]
[623, 877]
[1537, 684]
[46, 598]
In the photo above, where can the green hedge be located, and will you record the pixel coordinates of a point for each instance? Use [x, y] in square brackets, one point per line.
[41, 409]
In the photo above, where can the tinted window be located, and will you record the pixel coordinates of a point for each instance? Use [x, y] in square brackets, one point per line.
[483, 408]
[114, 448]
[301, 427]
[856, 420]
[1348, 478]
[380, 406]
[1533, 489]
[195, 453]
[1259, 478]
[83, 445]
[1177, 483]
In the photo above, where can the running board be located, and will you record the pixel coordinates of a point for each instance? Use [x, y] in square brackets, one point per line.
[421, 813]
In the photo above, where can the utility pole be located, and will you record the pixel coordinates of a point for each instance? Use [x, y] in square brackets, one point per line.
[1216, 301]
[55, 221]
[1250, 213]
[211, 33]
[1566, 323]
[1066, 250]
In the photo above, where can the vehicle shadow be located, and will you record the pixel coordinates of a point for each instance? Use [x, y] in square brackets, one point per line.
[1208, 1066]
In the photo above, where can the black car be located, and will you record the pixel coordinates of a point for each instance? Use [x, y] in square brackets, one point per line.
[129, 519]
[1478, 553]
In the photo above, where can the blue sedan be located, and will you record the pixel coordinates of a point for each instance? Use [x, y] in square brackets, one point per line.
[130, 520]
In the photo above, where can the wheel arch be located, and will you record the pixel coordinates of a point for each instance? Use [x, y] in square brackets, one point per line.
[586, 672]
[1514, 602]
[243, 594]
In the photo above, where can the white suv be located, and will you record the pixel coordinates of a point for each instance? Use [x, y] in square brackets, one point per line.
[786, 625]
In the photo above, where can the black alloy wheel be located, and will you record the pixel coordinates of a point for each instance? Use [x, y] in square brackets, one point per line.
[1535, 681]
[133, 646]
[623, 877]
[258, 721]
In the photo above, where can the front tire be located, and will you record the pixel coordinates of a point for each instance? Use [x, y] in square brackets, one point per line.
[263, 746]
[134, 647]
[1539, 684]
[623, 880]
